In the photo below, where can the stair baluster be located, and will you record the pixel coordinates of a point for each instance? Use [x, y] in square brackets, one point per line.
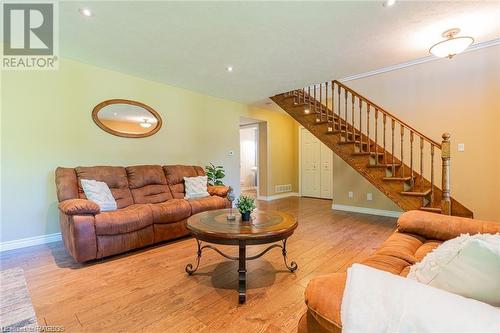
[432, 175]
[315, 104]
[321, 102]
[332, 121]
[385, 146]
[360, 125]
[376, 136]
[421, 164]
[402, 148]
[352, 118]
[327, 110]
[393, 168]
[411, 159]
[345, 116]
[339, 126]
[368, 127]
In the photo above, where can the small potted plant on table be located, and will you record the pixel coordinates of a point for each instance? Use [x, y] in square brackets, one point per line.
[245, 205]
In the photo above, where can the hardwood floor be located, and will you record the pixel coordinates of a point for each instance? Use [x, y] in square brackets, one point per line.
[148, 291]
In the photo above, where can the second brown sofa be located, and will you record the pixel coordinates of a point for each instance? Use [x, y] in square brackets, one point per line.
[150, 201]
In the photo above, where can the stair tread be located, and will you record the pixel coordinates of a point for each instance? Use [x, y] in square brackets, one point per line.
[397, 178]
[431, 209]
[383, 165]
[417, 194]
[367, 153]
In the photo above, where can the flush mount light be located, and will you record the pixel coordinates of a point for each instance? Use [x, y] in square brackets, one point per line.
[306, 111]
[145, 124]
[229, 68]
[389, 3]
[85, 12]
[452, 45]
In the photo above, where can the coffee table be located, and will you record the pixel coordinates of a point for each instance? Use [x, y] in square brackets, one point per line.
[266, 226]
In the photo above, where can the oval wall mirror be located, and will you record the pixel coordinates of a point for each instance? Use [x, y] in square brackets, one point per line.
[125, 118]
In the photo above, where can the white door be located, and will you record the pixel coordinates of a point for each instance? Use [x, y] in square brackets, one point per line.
[316, 163]
[310, 164]
[326, 172]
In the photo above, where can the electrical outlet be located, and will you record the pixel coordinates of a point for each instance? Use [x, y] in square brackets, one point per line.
[461, 147]
[369, 196]
[351, 195]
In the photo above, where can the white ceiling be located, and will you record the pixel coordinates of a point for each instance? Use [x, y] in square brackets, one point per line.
[273, 46]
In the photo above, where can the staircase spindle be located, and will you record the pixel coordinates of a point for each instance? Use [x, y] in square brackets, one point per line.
[309, 101]
[432, 174]
[393, 168]
[411, 158]
[402, 149]
[321, 102]
[368, 127]
[315, 103]
[352, 118]
[376, 136]
[421, 164]
[385, 147]
[445, 157]
[345, 116]
[326, 102]
[360, 124]
[338, 111]
[332, 122]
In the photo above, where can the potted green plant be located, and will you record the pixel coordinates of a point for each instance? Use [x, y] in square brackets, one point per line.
[215, 174]
[245, 205]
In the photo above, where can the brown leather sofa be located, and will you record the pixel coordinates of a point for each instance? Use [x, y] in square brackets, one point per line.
[417, 234]
[151, 208]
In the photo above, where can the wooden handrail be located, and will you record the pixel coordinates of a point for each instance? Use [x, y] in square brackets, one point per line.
[388, 114]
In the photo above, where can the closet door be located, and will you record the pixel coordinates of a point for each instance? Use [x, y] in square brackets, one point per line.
[326, 172]
[310, 164]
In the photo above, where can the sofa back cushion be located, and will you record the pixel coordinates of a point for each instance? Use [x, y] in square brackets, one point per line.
[175, 177]
[114, 177]
[66, 184]
[148, 184]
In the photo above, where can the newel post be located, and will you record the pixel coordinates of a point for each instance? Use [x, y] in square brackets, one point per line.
[445, 156]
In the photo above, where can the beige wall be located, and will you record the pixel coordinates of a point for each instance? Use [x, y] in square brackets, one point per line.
[460, 96]
[46, 122]
[282, 148]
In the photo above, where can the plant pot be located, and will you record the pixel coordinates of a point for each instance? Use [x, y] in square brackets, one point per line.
[245, 216]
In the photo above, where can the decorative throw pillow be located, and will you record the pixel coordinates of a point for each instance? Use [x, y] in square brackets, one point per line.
[100, 193]
[466, 265]
[196, 187]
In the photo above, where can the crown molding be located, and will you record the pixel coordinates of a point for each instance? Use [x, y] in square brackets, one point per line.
[418, 61]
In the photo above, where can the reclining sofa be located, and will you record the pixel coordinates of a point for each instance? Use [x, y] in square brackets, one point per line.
[150, 202]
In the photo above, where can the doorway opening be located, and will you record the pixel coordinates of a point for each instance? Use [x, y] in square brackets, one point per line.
[249, 157]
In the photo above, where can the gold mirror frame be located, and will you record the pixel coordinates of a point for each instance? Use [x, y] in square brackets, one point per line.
[101, 105]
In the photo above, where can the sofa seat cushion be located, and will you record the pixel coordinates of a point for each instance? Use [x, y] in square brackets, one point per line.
[170, 211]
[387, 263]
[402, 246]
[426, 247]
[131, 218]
[323, 297]
[208, 203]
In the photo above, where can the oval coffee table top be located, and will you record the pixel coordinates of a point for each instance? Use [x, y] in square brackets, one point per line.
[266, 225]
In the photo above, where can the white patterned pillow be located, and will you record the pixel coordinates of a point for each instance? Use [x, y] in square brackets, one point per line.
[100, 193]
[196, 187]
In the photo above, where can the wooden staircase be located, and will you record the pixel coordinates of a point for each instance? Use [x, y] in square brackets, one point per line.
[396, 158]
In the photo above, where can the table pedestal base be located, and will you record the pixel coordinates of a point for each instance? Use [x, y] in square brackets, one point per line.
[242, 258]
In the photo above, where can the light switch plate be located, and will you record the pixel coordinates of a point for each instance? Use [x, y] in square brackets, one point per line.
[369, 196]
[461, 147]
[351, 195]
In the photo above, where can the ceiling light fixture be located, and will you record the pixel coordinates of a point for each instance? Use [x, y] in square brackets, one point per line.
[85, 12]
[229, 68]
[389, 3]
[145, 124]
[452, 45]
[306, 111]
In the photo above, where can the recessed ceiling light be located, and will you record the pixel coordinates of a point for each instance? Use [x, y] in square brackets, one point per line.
[229, 68]
[389, 3]
[85, 12]
[452, 45]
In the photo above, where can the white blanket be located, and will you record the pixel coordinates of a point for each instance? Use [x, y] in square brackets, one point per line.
[377, 301]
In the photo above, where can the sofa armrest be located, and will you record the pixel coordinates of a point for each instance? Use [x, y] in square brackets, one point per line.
[219, 190]
[324, 296]
[443, 227]
[79, 207]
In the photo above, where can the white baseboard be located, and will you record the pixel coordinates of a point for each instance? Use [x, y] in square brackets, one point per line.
[30, 241]
[364, 210]
[277, 196]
